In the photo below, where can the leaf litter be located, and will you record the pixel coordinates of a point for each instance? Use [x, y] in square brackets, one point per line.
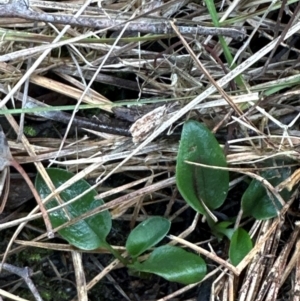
[253, 120]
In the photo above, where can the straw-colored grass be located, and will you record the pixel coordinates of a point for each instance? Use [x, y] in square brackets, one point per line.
[232, 86]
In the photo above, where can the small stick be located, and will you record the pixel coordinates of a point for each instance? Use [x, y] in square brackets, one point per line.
[16, 8]
[24, 273]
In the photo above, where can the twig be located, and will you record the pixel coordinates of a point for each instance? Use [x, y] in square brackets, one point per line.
[24, 273]
[19, 10]
[115, 127]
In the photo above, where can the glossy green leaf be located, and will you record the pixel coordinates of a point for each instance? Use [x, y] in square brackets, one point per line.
[147, 234]
[260, 203]
[87, 234]
[240, 246]
[221, 229]
[174, 264]
[197, 183]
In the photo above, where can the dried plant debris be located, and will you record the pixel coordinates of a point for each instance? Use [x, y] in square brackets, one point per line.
[106, 90]
[5, 155]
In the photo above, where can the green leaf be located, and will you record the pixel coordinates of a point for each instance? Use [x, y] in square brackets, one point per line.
[147, 234]
[174, 264]
[221, 229]
[197, 183]
[240, 246]
[87, 234]
[260, 203]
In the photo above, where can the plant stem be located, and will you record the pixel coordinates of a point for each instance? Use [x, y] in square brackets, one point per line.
[116, 254]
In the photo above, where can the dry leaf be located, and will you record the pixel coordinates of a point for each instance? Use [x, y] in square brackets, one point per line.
[141, 129]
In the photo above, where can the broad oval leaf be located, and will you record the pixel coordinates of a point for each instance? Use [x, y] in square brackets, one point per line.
[201, 184]
[147, 234]
[173, 264]
[87, 234]
[240, 246]
[260, 203]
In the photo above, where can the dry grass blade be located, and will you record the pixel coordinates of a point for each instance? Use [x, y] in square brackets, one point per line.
[70, 91]
[132, 73]
[207, 254]
[79, 275]
[8, 160]
[4, 183]
[11, 296]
